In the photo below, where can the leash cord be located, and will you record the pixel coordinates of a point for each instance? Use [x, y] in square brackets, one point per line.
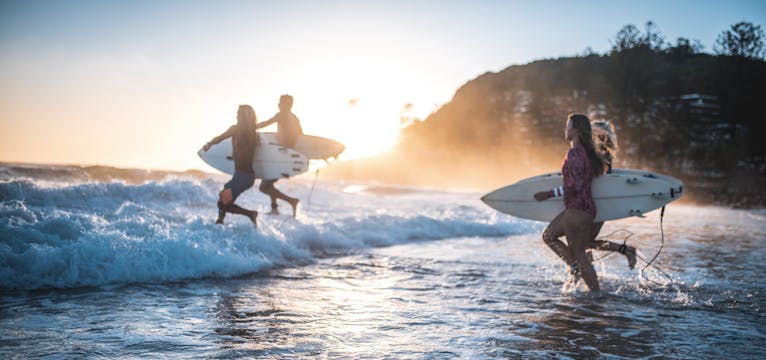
[649, 262]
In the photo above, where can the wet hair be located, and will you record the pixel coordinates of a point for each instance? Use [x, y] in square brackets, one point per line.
[605, 140]
[581, 124]
[287, 99]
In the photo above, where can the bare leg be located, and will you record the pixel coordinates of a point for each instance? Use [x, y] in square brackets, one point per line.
[628, 251]
[577, 227]
[225, 197]
[595, 229]
[269, 189]
[235, 209]
[551, 236]
[226, 204]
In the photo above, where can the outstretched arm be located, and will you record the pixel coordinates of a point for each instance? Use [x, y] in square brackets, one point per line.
[266, 123]
[226, 134]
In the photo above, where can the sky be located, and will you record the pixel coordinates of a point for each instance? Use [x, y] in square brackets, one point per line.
[144, 84]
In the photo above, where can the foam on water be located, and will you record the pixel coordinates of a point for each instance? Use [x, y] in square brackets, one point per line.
[77, 233]
[369, 281]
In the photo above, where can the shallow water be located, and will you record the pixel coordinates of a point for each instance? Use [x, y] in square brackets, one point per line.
[120, 270]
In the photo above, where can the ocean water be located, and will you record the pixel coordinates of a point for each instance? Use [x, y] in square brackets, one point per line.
[100, 262]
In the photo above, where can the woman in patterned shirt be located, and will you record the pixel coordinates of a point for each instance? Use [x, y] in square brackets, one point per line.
[581, 165]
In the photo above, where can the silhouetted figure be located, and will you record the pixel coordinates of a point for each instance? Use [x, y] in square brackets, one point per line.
[243, 142]
[288, 131]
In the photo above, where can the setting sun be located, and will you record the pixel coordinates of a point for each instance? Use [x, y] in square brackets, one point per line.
[339, 96]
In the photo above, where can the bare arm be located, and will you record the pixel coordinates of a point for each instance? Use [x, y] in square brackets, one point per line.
[542, 195]
[267, 122]
[226, 134]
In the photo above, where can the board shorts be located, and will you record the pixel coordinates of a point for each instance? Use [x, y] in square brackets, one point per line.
[239, 183]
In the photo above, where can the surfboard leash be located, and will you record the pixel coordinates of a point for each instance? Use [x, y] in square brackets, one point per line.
[646, 263]
[650, 262]
[624, 242]
[311, 192]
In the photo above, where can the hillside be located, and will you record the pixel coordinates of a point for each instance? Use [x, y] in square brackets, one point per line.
[696, 116]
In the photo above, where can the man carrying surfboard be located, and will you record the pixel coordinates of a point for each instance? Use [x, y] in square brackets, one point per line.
[244, 141]
[288, 131]
[581, 165]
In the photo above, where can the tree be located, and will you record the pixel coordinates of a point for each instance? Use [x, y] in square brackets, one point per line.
[744, 39]
[653, 38]
[629, 38]
[685, 47]
[634, 75]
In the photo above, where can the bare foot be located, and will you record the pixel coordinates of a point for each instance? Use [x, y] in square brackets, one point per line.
[273, 211]
[294, 203]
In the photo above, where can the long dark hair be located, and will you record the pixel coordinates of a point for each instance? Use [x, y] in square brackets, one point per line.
[581, 124]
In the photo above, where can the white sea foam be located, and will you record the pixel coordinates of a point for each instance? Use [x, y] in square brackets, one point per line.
[80, 233]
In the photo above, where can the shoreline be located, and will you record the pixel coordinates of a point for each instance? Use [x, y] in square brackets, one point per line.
[738, 191]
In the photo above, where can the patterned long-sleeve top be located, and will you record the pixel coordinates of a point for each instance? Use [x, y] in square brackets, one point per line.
[578, 177]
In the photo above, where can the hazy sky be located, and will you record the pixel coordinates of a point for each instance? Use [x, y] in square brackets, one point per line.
[145, 84]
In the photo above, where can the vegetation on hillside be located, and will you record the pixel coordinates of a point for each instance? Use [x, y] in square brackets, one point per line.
[676, 109]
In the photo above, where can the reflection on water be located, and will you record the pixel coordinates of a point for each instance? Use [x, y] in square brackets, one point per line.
[376, 305]
[455, 298]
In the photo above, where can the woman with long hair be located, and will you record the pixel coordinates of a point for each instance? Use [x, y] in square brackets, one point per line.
[243, 142]
[581, 164]
[605, 140]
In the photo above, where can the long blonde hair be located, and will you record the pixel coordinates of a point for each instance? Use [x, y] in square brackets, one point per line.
[246, 117]
[246, 121]
[605, 140]
[581, 124]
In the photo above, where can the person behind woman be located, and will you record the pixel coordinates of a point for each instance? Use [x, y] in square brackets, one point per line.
[288, 131]
[581, 165]
[243, 142]
[606, 144]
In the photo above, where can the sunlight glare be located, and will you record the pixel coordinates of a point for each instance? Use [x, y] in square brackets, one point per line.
[343, 100]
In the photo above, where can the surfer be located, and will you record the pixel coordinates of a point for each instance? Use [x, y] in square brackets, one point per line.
[606, 144]
[288, 131]
[243, 142]
[581, 164]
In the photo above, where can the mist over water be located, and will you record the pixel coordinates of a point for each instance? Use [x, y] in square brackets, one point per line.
[136, 267]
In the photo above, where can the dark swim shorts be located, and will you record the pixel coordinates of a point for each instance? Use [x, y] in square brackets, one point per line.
[240, 182]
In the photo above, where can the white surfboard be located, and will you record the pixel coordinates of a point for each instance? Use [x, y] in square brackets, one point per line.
[269, 162]
[314, 147]
[619, 194]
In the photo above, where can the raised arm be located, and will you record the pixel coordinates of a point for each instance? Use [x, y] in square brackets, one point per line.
[226, 134]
